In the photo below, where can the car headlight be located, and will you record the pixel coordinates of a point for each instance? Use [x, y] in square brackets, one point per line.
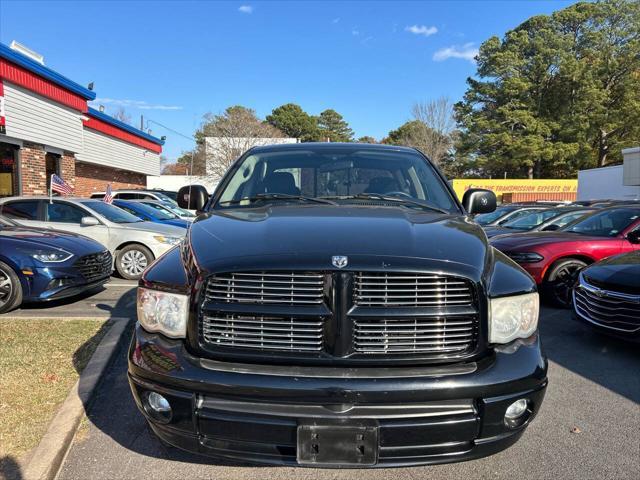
[169, 240]
[513, 317]
[163, 312]
[52, 256]
[525, 257]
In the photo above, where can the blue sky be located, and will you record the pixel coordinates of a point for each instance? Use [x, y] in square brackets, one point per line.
[174, 61]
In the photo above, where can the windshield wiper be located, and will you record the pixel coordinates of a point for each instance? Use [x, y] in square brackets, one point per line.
[278, 196]
[390, 198]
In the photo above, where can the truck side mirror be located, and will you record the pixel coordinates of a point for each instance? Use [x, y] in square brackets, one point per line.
[479, 200]
[634, 236]
[193, 197]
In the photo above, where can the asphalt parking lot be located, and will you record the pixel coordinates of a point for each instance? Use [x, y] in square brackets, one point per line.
[589, 426]
[115, 299]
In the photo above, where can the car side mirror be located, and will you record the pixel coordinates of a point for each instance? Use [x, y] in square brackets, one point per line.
[193, 197]
[89, 221]
[479, 200]
[634, 236]
[551, 228]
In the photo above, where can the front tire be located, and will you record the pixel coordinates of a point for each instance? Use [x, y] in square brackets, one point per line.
[10, 289]
[133, 260]
[560, 281]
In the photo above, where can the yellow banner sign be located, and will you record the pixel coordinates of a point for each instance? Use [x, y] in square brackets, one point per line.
[500, 186]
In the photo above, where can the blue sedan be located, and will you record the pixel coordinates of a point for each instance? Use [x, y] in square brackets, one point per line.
[38, 265]
[150, 214]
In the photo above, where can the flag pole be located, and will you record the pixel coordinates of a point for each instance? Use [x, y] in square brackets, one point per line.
[51, 189]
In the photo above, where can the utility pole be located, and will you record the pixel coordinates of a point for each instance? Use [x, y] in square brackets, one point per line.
[142, 122]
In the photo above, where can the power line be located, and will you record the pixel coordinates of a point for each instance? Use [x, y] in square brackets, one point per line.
[171, 130]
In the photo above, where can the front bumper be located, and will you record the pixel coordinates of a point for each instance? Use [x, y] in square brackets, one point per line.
[54, 283]
[253, 413]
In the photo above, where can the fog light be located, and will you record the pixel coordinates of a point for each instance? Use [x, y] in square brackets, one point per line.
[516, 409]
[158, 407]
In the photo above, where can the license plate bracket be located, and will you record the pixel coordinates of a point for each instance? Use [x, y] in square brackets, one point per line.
[337, 445]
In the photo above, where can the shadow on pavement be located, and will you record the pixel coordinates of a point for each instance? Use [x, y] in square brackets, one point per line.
[607, 361]
[10, 468]
[62, 301]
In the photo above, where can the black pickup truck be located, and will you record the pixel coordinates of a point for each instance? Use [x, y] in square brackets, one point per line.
[334, 305]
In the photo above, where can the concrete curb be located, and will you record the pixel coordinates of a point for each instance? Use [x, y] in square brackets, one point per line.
[45, 460]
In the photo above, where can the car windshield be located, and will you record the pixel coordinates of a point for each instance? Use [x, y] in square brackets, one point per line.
[181, 212]
[172, 195]
[608, 223]
[487, 218]
[111, 212]
[7, 222]
[531, 220]
[160, 214]
[165, 198]
[339, 175]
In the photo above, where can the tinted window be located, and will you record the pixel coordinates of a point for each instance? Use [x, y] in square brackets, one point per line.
[128, 196]
[567, 219]
[336, 173]
[608, 223]
[97, 195]
[515, 215]
[22, 210]
[64, 213]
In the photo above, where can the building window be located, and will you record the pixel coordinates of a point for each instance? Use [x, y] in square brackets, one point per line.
[9, 171]
[52, 162]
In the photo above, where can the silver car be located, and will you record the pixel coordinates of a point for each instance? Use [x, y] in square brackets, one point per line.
[133, 243]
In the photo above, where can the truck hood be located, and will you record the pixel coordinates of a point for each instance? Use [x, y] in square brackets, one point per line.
[315, 233]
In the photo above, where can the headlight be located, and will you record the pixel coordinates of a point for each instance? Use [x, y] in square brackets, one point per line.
[163, 312]
[513, 317]
[525, 257]
[169, 240]
[52, 257]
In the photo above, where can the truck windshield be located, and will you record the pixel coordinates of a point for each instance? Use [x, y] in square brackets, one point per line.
[343, 175]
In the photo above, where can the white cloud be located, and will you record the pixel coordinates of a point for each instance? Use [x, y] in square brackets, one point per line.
[335, 20]
[421, 30]
[246, 9]
[139, 104]
[466, 52]
[355, 32]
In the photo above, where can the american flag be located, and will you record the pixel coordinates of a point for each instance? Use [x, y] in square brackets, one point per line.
[60, 186]
[108, 195]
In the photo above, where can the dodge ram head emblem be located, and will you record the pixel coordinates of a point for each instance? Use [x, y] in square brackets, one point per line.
[339, 261]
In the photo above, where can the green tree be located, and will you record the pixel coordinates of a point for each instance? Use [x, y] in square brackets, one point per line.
[333, 127]
[367, 139]
[294, 122]
[556, 94]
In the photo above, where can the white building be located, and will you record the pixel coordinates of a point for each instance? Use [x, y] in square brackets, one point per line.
[619, 182]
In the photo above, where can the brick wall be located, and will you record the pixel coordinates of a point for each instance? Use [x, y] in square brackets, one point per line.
[68, 168]
[33, 169]
[94, 178]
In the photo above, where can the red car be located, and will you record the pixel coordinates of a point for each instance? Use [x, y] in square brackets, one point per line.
[554, 258]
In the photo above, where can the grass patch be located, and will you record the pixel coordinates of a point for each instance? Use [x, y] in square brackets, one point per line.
[40, 360]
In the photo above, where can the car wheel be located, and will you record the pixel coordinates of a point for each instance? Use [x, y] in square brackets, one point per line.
[560, 282]
[133, 260]
[10, 289]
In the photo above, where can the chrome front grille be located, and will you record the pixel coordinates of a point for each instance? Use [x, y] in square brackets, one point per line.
[285, 288]
[615, 310]
[390, 289]
[414, 335]
[263, 332]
